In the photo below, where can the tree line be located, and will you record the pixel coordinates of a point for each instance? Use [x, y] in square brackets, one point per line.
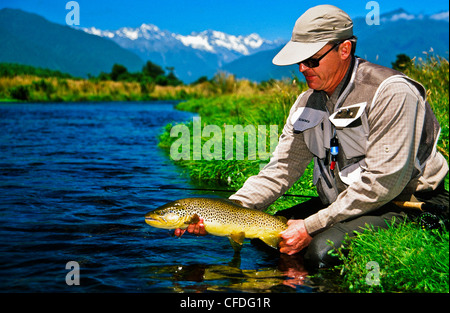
[151, 74]
[14, 69]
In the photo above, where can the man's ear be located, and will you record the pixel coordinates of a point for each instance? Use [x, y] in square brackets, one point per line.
[345, 49]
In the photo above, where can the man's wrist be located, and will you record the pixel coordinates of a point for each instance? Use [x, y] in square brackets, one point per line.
[312, 224]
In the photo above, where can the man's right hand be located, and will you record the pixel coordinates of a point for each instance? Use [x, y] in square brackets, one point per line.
[196, 229]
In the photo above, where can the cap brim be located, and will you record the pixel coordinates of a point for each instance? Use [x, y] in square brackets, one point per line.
[295, 52]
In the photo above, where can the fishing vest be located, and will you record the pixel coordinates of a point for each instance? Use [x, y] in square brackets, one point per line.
[349, 123]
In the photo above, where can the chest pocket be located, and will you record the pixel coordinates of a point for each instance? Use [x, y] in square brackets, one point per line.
[352, 129]
[316, 129]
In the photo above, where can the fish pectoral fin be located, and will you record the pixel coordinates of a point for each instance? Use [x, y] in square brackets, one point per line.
[238, 237]
[236, 240]
[193, 220]
[272, 241]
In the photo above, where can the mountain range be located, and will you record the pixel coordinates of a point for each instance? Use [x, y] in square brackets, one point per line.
[30, 39]
[192, 56]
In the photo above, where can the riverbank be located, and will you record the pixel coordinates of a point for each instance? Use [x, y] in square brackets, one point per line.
[34, 88]
[54, 89]
[272, 109]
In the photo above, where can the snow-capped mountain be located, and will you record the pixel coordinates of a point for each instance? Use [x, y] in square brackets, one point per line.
[213, 41]
[193, 55]
[402, 14]
[442, 16]
[145, 31]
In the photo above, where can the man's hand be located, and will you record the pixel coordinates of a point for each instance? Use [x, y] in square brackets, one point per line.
[295, 238]
[196, 229]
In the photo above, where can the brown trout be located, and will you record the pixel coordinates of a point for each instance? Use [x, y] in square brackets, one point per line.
[221, 217]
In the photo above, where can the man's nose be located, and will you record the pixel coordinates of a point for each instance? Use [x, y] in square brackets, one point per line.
[302, 67]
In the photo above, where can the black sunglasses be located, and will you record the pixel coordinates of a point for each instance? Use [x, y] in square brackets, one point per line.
[311, 63]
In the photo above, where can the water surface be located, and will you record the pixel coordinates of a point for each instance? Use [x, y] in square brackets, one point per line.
[76, 180]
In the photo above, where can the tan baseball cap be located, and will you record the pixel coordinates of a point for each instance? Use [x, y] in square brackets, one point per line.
[312, 31]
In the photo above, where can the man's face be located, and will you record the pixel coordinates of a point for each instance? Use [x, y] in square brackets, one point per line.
[328, 74]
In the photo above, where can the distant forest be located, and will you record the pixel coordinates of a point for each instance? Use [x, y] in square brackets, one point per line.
[14, 69]
[151, 73]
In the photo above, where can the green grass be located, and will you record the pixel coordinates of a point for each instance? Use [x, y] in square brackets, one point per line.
[433, 73]
[408, 259]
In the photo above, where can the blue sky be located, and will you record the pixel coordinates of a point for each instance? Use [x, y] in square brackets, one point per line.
[271, 19]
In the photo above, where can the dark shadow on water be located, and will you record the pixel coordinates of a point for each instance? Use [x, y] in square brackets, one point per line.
[286, 274]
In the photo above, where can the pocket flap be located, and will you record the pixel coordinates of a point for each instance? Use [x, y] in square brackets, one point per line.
[347, 115]
[305, 118]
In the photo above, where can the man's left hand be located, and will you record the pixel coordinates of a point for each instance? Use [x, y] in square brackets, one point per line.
[295, 238]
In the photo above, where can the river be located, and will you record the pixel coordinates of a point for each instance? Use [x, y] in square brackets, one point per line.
[76, 180]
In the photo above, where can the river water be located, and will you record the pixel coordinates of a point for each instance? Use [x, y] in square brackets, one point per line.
[76, 180]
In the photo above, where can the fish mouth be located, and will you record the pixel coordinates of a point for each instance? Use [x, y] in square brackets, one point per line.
[154, 219]
[157, 221]
[162, 221]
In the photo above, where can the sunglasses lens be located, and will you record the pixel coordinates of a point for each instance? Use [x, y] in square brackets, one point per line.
[311, 63]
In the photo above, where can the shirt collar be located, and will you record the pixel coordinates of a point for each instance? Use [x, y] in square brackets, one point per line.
[331, 103]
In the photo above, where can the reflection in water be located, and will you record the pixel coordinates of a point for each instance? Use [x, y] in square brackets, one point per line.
[288, 276]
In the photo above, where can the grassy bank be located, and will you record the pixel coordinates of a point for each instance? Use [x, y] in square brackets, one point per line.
[55, 89]
[406, 258]
[404, 265]
[25, 83]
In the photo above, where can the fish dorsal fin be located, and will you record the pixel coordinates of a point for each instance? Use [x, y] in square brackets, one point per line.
[236, 240]
[272, 241]
[194, 219]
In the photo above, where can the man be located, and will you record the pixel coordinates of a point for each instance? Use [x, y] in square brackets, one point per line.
[369, 130]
